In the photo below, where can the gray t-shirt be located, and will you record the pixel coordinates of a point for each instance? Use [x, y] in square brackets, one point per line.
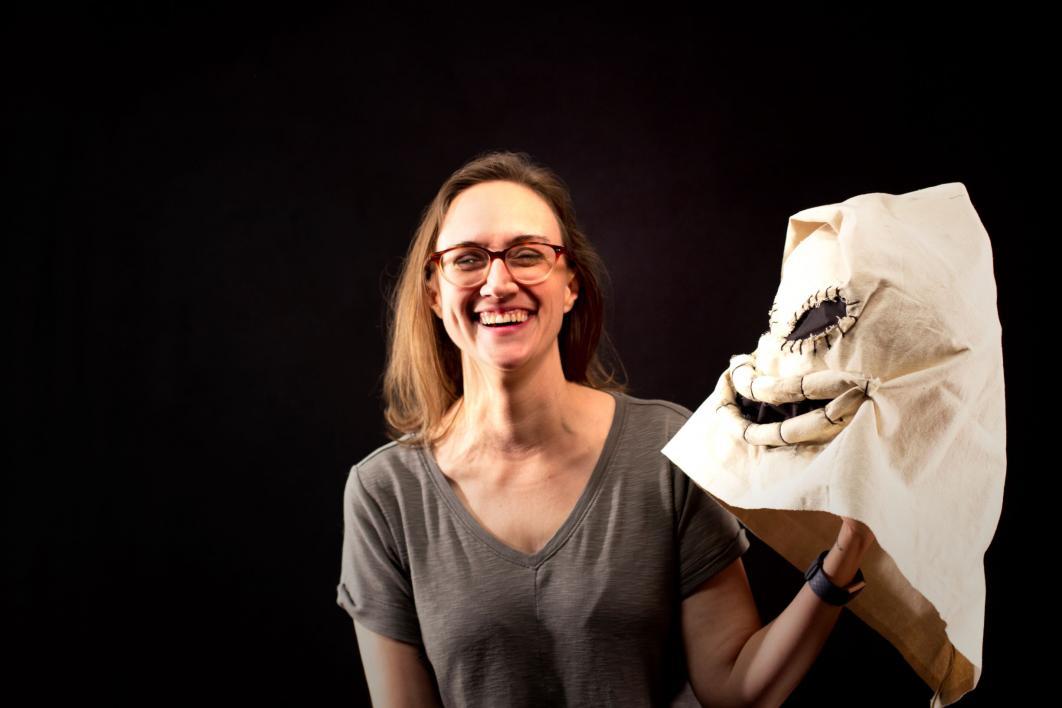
[592, 619]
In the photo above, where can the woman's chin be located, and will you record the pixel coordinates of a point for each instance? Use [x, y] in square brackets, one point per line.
[505, 358]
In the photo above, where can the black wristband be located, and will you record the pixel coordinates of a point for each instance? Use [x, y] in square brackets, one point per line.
[829, 592]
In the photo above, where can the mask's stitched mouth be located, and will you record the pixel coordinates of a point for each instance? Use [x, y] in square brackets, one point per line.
[760, 412]
[825, 401]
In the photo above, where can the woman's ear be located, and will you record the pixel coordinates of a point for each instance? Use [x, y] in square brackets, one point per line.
[433, 297]
[571, 293]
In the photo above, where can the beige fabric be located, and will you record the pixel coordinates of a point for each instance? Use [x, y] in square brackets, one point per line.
[913, 443]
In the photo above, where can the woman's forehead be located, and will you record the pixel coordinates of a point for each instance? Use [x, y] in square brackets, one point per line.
[495, 214]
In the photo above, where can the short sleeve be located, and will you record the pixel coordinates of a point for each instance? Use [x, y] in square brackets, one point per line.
[374, 583]
[709, 537]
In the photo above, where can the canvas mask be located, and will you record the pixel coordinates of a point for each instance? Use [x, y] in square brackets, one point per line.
[877, 393]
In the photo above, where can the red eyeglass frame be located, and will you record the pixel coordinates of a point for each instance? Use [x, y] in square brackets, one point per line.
[559, 250]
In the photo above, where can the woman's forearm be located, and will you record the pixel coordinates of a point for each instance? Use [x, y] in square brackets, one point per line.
[776, 658]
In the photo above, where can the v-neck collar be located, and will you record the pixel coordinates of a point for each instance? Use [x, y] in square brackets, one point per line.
[578, 511]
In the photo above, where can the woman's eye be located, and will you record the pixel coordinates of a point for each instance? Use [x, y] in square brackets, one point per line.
[527, 256]
[468, 262]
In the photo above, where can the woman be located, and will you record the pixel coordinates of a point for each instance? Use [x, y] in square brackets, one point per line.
[522, 541]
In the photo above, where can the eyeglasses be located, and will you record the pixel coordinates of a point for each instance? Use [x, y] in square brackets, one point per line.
[467, 266]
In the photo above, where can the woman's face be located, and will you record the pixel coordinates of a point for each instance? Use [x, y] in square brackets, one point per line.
[491, 214]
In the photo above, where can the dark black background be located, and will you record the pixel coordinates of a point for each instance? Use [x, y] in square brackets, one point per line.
[210, 203]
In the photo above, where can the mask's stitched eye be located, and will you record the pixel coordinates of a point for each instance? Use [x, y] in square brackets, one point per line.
[821, 316]
[818, 319]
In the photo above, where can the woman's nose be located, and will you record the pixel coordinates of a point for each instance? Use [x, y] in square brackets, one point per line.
[499, 279]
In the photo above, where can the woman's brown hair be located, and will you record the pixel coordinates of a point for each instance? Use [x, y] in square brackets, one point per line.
[423, 376]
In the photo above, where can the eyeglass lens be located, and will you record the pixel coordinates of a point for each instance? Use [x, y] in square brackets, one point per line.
[528, 263]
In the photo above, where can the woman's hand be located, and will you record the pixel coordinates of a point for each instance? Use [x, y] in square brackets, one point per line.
[854, 530]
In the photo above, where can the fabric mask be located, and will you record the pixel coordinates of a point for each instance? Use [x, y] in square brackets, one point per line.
[877, 394]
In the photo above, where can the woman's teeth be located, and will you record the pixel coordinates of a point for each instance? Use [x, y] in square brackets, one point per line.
[493, 319]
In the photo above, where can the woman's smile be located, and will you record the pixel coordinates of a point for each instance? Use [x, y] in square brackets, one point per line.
[509, 323]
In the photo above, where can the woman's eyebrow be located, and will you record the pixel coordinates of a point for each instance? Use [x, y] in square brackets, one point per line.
[514, 239]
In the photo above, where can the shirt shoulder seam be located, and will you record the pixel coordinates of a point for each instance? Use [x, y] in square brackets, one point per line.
[356, 470]
[378, 451]
[670, 405]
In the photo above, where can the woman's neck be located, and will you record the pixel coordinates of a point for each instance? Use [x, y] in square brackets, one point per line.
[505, 417]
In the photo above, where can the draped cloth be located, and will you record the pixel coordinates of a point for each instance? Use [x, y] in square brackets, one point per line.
[876, 393]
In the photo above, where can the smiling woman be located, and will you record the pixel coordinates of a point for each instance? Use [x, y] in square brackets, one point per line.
[425, 374]
[521, 540]
[541, 292]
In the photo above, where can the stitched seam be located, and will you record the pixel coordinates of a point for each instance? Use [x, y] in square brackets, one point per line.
[390, 522]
